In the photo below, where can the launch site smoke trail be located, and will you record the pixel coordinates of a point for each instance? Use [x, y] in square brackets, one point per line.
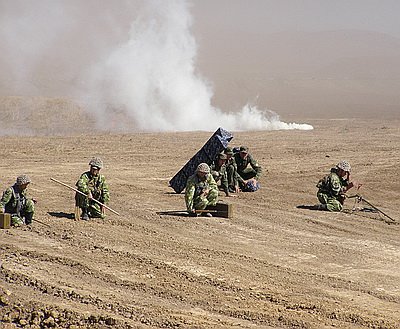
[137, 58]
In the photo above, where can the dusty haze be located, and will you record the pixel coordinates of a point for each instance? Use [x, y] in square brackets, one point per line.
[151, 65]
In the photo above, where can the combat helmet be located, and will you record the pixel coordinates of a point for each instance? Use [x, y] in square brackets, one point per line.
[222, 156]
[203, 167]
[228, 151]
[96, 162]
[344, 165]
[23, 179]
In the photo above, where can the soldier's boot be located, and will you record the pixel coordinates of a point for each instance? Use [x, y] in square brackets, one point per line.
[28, 218]
[85, 214]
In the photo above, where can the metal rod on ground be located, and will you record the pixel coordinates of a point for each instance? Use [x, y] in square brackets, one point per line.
[371, 205]
[77, 191]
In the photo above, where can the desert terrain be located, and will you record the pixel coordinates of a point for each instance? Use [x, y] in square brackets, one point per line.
[270, 266]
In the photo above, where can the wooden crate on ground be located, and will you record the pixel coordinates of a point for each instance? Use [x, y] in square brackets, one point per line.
[223, 210]
[5, 221]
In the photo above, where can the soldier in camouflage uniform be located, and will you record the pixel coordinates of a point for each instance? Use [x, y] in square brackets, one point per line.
[201, 190]
[231, 171]
[219, 173]
[95, 187]
[15, 202]
[332, 189]
[247, 177]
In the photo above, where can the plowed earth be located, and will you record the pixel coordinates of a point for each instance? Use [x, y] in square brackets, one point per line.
[270, 266]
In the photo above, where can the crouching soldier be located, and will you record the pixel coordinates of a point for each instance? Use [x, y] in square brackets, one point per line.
[231, 171]
[248, 170]
[219, 172]
[201, 190]
[15, 202]
[332, 189]
[95, 187]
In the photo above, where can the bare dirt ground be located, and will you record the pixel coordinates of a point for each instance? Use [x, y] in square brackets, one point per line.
[270, 266]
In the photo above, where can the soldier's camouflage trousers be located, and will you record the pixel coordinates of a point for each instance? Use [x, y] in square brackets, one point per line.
[201, 202]
[231, 174]
[26, 215]
[332, 203]
[93, 208]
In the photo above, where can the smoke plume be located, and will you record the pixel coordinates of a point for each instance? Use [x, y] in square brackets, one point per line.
[130, 63]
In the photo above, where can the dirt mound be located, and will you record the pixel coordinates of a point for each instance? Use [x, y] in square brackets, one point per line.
[42, 116]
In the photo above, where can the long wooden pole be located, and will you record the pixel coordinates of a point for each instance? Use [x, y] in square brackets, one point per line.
[77, 191]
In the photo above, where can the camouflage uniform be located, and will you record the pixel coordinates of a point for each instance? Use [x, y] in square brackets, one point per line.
[15, 202]
[97, 186]
[219, 173]
[331, 189]
[245, 173]
[193, 193]
[231, 171]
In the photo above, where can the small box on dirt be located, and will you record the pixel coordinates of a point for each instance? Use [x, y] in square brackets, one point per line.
[5, 221]
[223, 210]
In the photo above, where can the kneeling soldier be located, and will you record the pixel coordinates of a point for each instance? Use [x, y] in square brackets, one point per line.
[15, 202]
[95, 187]
[201, 190]
[219, 173]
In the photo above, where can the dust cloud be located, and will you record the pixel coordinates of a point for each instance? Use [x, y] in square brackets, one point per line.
[130, 60]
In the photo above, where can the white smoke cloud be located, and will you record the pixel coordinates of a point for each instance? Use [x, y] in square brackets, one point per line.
[134, 67]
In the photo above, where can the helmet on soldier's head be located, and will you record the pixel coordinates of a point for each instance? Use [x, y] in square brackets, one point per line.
[222, 156]
[23, 179]
[344, 165]
[203, 167]
[228, 151]
[96, 162]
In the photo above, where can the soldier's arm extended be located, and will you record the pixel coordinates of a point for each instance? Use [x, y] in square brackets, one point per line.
[212, 184]
[224, 181]
[189, 195]
[335, 185]
[7, 195]
[105, 194]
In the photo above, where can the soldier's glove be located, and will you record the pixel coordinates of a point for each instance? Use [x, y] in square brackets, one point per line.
[34, 201]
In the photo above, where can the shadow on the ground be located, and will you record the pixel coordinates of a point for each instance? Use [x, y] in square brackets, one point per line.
[173, 213]
[61, 214]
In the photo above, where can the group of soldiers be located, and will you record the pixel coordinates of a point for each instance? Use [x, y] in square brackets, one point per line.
[91, 183]
[239, 171]
[233, 170]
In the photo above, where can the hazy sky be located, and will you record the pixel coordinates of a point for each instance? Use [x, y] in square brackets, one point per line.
[301, 15]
